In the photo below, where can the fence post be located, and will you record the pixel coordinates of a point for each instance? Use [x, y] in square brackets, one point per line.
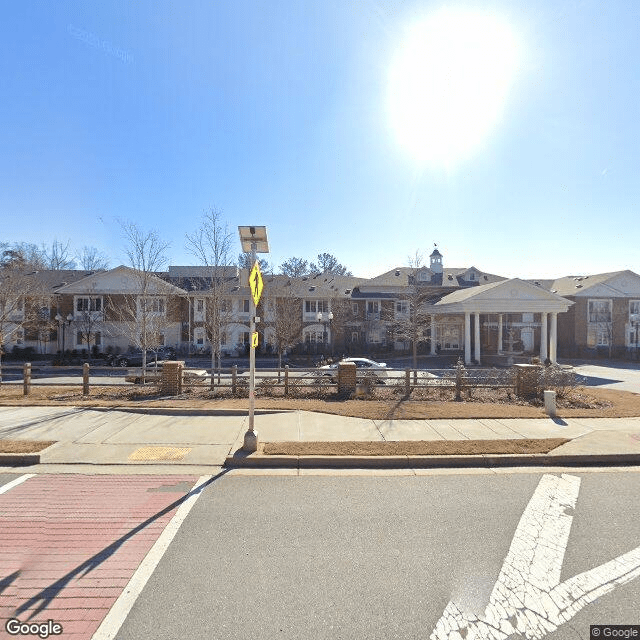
[26, 379]
[85, 379]
[407, 381]
[286, 380]
[234, 374]
[460, 371]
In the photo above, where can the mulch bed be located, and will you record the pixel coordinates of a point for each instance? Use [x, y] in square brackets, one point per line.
[24, 446]
[413, 448]
[582, 402]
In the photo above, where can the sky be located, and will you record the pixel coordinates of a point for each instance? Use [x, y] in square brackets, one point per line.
[507, 132]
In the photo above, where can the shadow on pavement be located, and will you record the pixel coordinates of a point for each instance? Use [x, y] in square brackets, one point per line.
[169, 411]
[17, 429]
[592, 381]
[42, 599]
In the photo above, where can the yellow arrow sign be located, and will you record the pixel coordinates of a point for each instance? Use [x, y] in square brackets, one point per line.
[254, 339]
[255, 283]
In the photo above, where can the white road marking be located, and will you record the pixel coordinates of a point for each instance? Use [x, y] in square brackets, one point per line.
[123, 605]
[14, 483]
[528, 597]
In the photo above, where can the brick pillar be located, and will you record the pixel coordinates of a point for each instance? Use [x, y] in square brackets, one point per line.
[527, 380]
[171, 380]
[347, 377]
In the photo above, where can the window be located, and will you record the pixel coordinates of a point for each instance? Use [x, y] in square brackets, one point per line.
[375, 337]
[634, 309]
[355, 309]
[599, 311]
[313, 306]
[355, 337]
[245, 306]
[402, 307]
[314, 337]
[472, 275]
[225, 305]
[199, 305]
[88, 304]
[449, 336]
[602, 334]
[79, 338]
[198, 336]
[152, 305]
[97, 339]
[423, 276]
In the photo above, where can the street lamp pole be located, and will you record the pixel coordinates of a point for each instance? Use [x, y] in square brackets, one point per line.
[61, 324]
[320, 317]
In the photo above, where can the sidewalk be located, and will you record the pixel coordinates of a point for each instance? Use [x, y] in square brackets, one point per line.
[195, 441]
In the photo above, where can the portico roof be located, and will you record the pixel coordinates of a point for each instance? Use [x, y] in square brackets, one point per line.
[507, 296]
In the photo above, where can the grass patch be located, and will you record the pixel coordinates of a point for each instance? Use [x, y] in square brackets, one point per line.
[24, 446]
[413, 448]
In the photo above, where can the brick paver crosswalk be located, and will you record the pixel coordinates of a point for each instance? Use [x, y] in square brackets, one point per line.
[70, 543]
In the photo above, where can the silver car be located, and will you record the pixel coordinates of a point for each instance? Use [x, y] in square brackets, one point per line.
[364, 368]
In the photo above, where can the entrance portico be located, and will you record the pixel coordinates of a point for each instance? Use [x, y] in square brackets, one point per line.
[507, 299]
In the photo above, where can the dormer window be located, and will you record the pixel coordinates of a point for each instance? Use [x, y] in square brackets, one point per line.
[472, 275]
[423, 276]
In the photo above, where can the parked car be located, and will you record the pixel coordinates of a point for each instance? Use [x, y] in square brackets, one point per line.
[364, 368]
[134, 358]
[370, 368]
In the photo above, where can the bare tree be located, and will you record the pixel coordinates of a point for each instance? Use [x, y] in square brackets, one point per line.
[285, 317]
[211, 244]
[143, 316]
[19, 295]
[92, 260]
[59, 255]
[89, 320]
[410, 313]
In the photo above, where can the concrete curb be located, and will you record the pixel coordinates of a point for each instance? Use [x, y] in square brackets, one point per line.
[242, 460]
[19, 459]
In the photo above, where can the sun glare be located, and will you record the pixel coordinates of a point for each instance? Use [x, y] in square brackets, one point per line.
[448, 84]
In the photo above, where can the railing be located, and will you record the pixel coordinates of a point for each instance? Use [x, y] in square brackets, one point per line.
[271, 382]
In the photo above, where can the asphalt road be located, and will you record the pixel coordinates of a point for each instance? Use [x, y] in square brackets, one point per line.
[380, 557]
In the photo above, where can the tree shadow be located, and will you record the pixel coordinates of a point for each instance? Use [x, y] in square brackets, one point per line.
[42, 599]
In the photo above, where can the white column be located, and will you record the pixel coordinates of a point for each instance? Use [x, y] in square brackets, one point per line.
[544, 339]
[553, 343]
[433, 335]
[467, 338]
[499, 333]
[477, 338]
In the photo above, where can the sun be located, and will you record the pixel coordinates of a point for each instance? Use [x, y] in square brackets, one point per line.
[448, 84]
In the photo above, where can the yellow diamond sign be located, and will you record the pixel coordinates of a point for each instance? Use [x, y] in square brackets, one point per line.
[255, 283]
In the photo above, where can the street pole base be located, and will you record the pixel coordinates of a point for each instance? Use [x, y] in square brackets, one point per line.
[250, 441]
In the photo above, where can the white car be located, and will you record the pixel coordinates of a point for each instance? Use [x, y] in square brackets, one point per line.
[364, 368]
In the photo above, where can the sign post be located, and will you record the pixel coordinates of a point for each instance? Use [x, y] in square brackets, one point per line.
[253, 239]
[256, 286]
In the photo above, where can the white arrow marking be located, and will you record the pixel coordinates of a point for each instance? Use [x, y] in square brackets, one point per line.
[528, 597]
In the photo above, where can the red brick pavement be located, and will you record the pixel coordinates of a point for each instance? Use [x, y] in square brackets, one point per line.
[70, 543]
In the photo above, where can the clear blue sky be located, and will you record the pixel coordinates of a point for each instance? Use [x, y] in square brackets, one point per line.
[279, 114]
